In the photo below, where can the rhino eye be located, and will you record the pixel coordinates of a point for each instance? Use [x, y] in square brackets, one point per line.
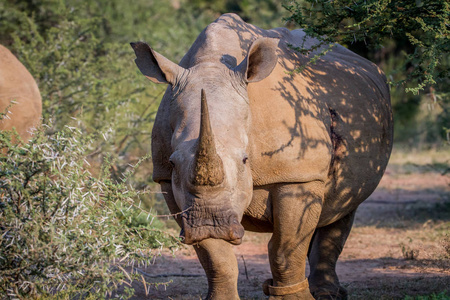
[171, 163]
[244, 160]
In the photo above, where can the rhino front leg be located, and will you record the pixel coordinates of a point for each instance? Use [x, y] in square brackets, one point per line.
[296, 211]
[216, 256]
[220, 264]
[326, 246]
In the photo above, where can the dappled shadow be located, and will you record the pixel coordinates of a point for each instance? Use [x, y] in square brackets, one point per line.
[331, 122]
[392, 267]
[190, 281]
[389, 278]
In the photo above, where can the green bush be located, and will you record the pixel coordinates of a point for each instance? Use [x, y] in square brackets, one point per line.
[78, 51]
[409, 40]
[63, 232]
[419, 26]
[82, 75]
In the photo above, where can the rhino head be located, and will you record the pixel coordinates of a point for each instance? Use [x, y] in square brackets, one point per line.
[210, 120]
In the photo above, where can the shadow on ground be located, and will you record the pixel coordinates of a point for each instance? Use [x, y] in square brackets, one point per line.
[378, 278]
[411, 210]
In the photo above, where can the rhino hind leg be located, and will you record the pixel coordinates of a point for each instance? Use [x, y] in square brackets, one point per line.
[325, 248]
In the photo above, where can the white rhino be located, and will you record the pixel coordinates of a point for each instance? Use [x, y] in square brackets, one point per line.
[20, 99]
[239, 142]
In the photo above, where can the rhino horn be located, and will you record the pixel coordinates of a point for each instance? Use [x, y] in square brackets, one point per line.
[208, 166]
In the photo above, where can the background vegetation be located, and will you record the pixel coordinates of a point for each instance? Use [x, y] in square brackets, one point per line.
[409, 40]
[79, 53]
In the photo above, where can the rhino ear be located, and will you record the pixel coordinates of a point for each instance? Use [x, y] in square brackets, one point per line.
[260, 60]
[153, 65]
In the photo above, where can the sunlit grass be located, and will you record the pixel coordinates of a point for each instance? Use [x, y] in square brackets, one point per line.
[432, 157]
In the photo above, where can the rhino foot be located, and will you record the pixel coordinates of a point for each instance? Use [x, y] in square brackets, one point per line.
[330, 293]
[299, 291]
[304, 295]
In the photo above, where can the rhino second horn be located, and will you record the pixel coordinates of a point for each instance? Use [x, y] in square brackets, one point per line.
[208, 166]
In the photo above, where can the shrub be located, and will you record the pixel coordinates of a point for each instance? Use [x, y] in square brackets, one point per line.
[421, 25]
[409, 40]
[63, 232]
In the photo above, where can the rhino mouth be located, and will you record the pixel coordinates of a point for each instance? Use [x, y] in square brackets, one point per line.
[196, 227]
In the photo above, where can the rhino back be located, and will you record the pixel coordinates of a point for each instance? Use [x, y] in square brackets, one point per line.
[332, 122]
[19, 94]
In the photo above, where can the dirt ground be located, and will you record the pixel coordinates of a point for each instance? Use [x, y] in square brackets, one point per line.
[399, 246]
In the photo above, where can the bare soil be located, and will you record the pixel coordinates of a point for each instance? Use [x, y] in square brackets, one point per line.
[399, 246]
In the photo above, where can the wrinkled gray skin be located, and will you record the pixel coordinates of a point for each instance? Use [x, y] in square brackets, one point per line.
[240, 143]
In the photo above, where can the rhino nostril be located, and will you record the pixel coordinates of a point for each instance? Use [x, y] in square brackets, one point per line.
[236, 231]
[182, 235]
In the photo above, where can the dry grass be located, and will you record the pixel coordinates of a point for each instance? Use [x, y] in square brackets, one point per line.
[412, 161]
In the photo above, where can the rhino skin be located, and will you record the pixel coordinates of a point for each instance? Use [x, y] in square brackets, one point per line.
[240, 142]
[19, 96]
